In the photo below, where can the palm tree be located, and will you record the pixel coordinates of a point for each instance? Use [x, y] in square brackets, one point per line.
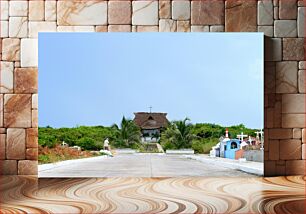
[179, 134]
[127, 134]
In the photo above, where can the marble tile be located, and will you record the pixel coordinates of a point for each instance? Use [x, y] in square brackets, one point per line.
[17, 110]
[34, 118]
[280, 133]
[32, 138]
[301, 22]
[4, 29]
[34, 101]
[4, 9]
[301, 81]
[11, 49]
[286, 77]
[199, 28]
[183, 26]
[180, 10]
[29, 53]
[7, 77]
[293, 103]
[285, 28]
[75, 29]
[265, 12]
[27, 167]
[297, 133]
[101, 28]
[15, 144]
[26, 80]
[119, 12]
[240, 16]
[91, 12]
[18, 8]
[36, 10]
[287, 9]
[304, 135]
[145, 13]
[164, 9]
[18, 27]
[302, 65]
[216, 28]
[50, 10]
[147, 28]
[207, 12]
[36, 27]
[293, 120]
[167, 25]
[290, 149]
[267, 30]
[293, 49]
[119, 28]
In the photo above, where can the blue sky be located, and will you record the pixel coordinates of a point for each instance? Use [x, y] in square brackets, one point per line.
[96, 78]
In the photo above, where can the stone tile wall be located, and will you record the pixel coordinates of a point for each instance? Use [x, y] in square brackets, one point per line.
[281, 21]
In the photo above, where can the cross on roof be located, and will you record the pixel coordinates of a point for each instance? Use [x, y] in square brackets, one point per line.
[150, 107]
[241, 136]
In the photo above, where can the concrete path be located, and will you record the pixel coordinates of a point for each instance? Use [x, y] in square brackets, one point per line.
[137, 165]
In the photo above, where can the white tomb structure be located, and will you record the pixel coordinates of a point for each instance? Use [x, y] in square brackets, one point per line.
[218, 150]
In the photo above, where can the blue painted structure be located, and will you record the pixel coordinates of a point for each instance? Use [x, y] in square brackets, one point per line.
[231, 147]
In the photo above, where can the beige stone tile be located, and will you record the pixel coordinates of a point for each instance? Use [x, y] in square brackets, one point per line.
[81, 13]
[1, 110]
[101, 28]
[119, 28]
[293, 103]
[274, 150]
[32, 138]
[36, 10]
[2, 146]
[301, 81]
[199, 28]
[293, 120]
[34, 101]
[277, 134]
[15, 144]
[147, 28]
[145, 13]
[32, 154]
[34, 118]
[183, 26]
[304, 135]
[287, 9]
[50, 10]
[285, 28]
[295, 167]
[119, 12]
[7, 77]
[8, 167]
[265, 12]
[36, 27]
[286, 77]
[26, 80]
[75, 29]
[18, 8]
[167, 25]
[301, 3]
[216, 28]
[180, 10]
[17, 110]
[275, 13]
[18, 27]
[297, 133]
[290, 149]
[2, 130]
[4, 29]
[164, 9]
[303, 151]
[4, 9]
[302, 65]
[267, 30]
[301, 22]
[11, 49]
[293, 49]
[27, 167]
[207, 12]
[29, 53]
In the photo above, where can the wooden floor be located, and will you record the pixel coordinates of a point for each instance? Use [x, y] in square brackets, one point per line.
[139, 195]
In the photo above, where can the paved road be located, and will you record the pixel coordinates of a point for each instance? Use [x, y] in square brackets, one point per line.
[139, 165]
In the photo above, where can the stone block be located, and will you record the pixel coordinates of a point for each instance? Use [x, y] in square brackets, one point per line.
[29, 53]
[290, 149]
[293, 49]
[297, 133]
[287, 9]
[269, 80]
[275, 15]
[32, 154]
[217, 28]
[301, 3]
[34, 101]
[207, 12]
[280, 134]
[36, 27]
[269, 168]
[7, 77]
[18, 8]
[164, 9]
[181, 10]
[303, 151]
[26, 80]
[4, 29]
[18, 27]
[293, 103]
[75, 29]
[147, 28]
[15, 144]
[295, 167]
[2, 130]
[273, 150]
[89, 12]
[27, 167]
[167, 25]
[304, 135]
[265, 12]
[199, 28]
[286, 77]
[302, 65]
[241, 16]
[32, 138]
[285, 28]
[267, 30]
[301, 81]
[293, 120]
[11, 49]
[8, 167]
[4, 9]
[145, 13]
[269, 117]
[50, 10]
[119, 28]
[101, 28]
[119, 12]
[36, 10]
[17, 110]
[183, 26]
[2, 146]
[301, 22]
[273, 49]
[277, 115]
[1, 110]
[34, 118]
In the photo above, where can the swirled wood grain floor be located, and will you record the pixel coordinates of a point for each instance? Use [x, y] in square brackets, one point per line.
[153, 195]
